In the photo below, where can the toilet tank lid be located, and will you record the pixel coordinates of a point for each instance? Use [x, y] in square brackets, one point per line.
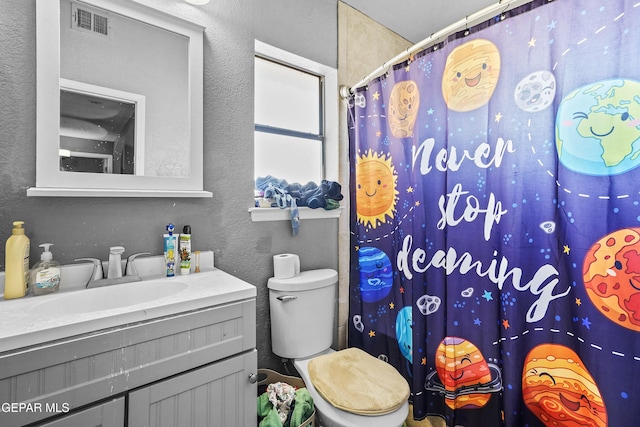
[306, 280]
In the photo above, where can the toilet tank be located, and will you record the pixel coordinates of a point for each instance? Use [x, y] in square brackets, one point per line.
[302, 313]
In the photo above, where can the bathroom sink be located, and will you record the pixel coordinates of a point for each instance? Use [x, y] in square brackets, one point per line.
[76, 310]
[107, 298]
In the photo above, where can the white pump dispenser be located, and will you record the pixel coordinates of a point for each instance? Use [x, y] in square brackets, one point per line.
[45, 274]
[46, 255]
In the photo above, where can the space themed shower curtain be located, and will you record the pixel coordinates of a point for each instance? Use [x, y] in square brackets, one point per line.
[495, 219]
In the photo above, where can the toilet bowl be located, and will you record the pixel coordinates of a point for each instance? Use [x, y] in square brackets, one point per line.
[302, 320]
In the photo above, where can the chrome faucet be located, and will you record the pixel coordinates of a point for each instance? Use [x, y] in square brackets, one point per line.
[114, 270]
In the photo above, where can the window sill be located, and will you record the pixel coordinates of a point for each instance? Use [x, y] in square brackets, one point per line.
[277, 214]
[108, 192]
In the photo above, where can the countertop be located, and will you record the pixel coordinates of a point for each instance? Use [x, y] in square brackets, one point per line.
[22, 324]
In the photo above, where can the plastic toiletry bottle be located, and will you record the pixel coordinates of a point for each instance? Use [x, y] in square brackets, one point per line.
[16, 279]
[185, 250]
[170, 249]
[45, 274]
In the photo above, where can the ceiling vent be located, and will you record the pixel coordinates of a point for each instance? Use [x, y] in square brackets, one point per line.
[86, 19]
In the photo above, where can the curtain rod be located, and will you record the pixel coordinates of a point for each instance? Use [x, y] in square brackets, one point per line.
[346, 92]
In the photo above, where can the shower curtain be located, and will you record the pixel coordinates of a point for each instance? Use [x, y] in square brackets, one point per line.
[495, 219]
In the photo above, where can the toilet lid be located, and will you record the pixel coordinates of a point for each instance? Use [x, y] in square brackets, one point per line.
[354, 381]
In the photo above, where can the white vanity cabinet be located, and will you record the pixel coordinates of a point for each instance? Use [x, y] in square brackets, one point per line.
[191, 368]
[186, 400]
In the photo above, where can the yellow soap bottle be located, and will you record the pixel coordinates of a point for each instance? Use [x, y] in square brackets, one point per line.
[16, 277]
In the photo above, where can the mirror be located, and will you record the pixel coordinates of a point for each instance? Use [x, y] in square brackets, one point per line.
[101, 129]
[119, 106]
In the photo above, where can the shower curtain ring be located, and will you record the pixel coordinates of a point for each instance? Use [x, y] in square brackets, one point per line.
[503, 14]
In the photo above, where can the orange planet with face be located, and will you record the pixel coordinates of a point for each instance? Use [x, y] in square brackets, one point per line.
[559, 390]
[611, 274]
[470, 75]
[375, 189]
[403, 108]
[461, 366]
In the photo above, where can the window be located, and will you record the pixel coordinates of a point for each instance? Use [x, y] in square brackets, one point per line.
[295, 117]
[289, 129]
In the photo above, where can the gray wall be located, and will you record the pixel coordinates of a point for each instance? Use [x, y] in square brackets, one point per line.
[81, 227]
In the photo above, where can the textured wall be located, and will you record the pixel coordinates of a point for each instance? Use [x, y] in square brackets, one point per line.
[88, 226]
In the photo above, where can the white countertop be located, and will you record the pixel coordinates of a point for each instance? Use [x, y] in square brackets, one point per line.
[22, 325]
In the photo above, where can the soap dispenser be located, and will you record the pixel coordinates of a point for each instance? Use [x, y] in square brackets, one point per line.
[45, 274]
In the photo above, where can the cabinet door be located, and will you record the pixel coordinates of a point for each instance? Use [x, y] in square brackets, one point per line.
[217, 395]
[109, 414]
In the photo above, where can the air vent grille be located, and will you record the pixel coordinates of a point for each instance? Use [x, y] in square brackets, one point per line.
[100, 24]
[84, 19]
[87, 20]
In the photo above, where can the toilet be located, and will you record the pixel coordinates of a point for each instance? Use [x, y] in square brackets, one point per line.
[302, 325]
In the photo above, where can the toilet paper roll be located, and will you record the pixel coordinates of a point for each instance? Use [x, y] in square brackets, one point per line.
[286, 266]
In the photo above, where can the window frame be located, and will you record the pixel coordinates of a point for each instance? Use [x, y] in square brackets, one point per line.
[329, 126]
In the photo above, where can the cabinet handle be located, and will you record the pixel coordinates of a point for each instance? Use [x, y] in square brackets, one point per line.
[253, 378]
[285, 298]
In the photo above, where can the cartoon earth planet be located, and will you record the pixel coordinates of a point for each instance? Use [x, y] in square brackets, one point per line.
[470, 75]
[467, 380]
[376, 191]
[559, 390]
[376, 274]
[403, 108]
[404, 332]
[535, 92]
[611, 274]
[598, 128]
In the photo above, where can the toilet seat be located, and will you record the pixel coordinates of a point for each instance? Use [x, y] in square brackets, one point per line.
[334, 417]
[355, 381]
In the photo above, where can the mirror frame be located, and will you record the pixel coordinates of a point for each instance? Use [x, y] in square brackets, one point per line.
[50, 181]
